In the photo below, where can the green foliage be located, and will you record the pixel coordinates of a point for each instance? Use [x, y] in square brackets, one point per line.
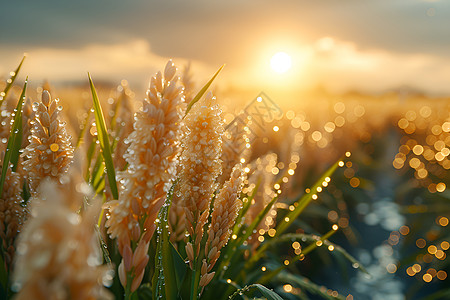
[202, 91]
[168, 274]
[303, 201]
[103, 138]
[14, 140]
[10, 82]
[268, 294]
[307, 285]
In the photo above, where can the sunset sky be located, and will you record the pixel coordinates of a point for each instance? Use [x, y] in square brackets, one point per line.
[340, 45]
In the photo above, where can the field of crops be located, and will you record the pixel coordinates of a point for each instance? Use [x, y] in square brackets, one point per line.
[170, 193]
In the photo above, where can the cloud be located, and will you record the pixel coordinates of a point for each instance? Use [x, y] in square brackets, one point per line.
[377, 43]
[133, 61]
[344, 66]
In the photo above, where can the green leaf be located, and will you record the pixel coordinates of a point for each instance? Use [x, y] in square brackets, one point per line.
[97, 172]
[3, 278]
[26, 194]
[15, 154]
[256, 221]
[10, 82]
[16, 130]
[354, 261]
[144, 292]
[89, 157]
[104, 141]
[166, 283]
[268, 294]
[309, 286]
[202, 91]
[179, 266]
[238, 223]
[104, 247]
[303, 202]
[230, 251]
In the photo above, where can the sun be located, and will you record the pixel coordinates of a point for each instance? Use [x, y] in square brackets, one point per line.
[281, 62]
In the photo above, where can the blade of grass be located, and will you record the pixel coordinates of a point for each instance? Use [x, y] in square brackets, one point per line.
[268, 294]
[242, 237]
[15, 153]
[180, 266]
[89, 157]
[104, 141]
[202, 91]
[271, 274]
[104, 248]
[354, 261]
[303, 202]
[256, 221]
[304, 283]
[10, 82]
[15, 131]
[238, 224]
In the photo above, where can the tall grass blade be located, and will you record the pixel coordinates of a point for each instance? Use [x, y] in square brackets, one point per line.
[13, 147]
[202, 91]
[354, 261]
[179, 266]
[15, 153]
[268, 294]
[89, 157]
[104, 141]
[104, 247]
[10, 82]
[242, 237]
[307, 285]
[303, 202]
[230, 251]
[257, 221]
[238, 223]
[270, 275]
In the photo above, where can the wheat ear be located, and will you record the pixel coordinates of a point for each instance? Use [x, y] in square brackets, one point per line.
[152, 159]
[200, 159]
[226, 208]
[49, 152]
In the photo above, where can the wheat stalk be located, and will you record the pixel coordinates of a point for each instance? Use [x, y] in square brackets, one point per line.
[200, 159]
[57, 252]
[152, 158]
[177, 217]
[226, 207]
[49, 153]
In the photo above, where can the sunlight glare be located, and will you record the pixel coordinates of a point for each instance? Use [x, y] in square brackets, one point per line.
[281, 62]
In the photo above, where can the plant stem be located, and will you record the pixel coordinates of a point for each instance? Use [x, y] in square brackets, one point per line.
[194, 286]
[128, 287]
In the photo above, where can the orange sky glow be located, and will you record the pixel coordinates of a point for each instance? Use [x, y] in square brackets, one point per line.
[356, 46]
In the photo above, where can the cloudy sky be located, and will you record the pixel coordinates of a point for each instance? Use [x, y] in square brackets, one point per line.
[369, 45]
